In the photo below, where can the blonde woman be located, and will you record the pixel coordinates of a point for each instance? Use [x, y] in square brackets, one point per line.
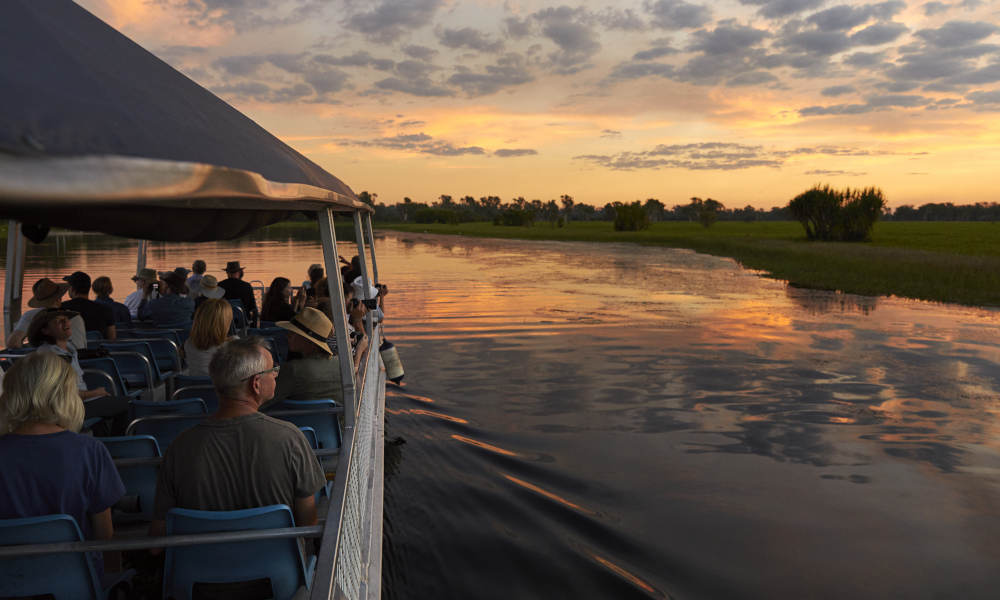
[209, 331]
[49, 468]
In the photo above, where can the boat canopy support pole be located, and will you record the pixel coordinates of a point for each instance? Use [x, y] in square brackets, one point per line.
[15, 277]
[359, 237]
[140, 261]
[328, 236]
[371, 246]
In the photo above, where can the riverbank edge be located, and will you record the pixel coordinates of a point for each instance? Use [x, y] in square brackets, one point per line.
[863, 269]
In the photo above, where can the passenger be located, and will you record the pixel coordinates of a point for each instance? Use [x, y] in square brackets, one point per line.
[237, 289]
[103, 290]
[48, 468]
[209, 289]
[183, 272]
[144, 281]
[315, 273]
[239, 458]
[321, 301]
[209, 332]
[276, 305]
[50, 332]
[172, 308]
[356, 320]
[97, 317]
[350, 270]
[311, 371]
[194, 281]
[46, 294]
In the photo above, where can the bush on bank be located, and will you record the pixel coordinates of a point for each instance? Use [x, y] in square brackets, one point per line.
[838, 215]
[630, 217]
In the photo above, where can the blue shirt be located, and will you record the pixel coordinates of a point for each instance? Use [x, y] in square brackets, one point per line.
[57, 473]
[168, 310]
[118, 310]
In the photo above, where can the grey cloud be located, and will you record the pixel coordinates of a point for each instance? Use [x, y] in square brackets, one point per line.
[391, 18]
[260, 92]
[751, 78]
[898, 100]
[624, 20]
[246, 15]
[844, 17]
[609, 133]
[421, 86]
[470, 38]
[175, 53]
[509, 70]
[838, 90]
[361, 58]
[864, 59]
[718, 156]
[293, 63]
[241, 66]
[835, 173]
[445, 149]
[927, 66]
[985, 97]
[412, 123]
[517, 27]
[415, 69]
[677, 14]
[957, 33]
[626, 71]
[934, 8]
[822, 43]
[872, 104]
[898, 86]
[880, 33]
[418, 142]
[577, 41]
[654, 53]
[419, 52]
[782, 8]
[511, 152]
[727, 39]
[988, 74]
[327, 81]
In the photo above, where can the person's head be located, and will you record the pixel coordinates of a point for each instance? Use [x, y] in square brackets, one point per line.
[315, 273]
[309, 331]
[50, 326]
[356, 264]
[103, 287]
[198, 267]
[144, 280]
[243, 370]
[172, 282]
[47, 293]
[210, 327]
[79, 283]
[234, 270]
[322, 289]
[40, 388]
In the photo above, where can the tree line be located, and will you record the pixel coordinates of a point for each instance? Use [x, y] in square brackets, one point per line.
[519, 211]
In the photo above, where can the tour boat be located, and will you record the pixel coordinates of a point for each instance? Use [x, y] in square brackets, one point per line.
[99, 135]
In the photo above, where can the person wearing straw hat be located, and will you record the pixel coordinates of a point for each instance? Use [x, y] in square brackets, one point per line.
[237, 289]
[144, 280]
[311, 371]
[208, 289]
[46, 294]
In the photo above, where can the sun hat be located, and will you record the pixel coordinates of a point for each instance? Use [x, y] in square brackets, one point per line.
[359, 289]
[145, 274]
[43, 318]
[210, 287]
[233, 266]
[311, 324]
[44, 290]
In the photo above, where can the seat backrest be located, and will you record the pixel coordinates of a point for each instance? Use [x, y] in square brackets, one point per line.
[182, 381]
[142, 348]
[165, 351]
[310, 434]
[206, 392]
[278, 337]
[131, 446]
[165, 428]
[33, 575]
[326, 425]
[278, 560]
[185, 406]
[94, 336]
[108, 365]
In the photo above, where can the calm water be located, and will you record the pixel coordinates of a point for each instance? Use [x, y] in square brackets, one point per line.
[613, 421]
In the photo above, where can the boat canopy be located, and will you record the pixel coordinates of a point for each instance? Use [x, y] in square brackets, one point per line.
[97, 134]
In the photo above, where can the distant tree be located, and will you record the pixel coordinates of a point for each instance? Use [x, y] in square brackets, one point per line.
[708, 212]
[567, 206]
[630, 217]
[654, 208]
[835, 215]
[367, 198]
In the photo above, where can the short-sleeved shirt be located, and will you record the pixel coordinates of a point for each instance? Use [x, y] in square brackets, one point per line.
[170, 309]
[232, 464]
[312, 377]
[56, 473]
[79, 333]
[194, 285]
[119, 311]
[97, 317]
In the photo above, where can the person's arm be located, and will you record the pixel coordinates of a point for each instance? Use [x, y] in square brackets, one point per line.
[359, 351]
[304, 511]
[110, 333]
[94, 393]
[100, 525]
[16, 338]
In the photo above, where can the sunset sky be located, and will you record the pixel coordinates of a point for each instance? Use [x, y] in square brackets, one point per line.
[744, 101]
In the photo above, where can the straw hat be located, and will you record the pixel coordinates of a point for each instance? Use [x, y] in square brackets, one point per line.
[210, 287]
[45, 290]
[311, 324]
[145, 274]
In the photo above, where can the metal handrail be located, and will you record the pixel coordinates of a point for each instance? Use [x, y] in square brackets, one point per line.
[151, 382]
[177, 351]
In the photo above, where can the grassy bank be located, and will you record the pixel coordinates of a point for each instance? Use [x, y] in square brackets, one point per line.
[941, 261]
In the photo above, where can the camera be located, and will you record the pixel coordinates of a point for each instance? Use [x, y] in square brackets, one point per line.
[371, 303]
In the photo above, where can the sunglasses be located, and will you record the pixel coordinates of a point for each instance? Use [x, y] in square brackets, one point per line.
[271, 370]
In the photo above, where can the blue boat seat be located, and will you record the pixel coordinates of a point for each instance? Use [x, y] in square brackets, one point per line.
[207, 394]
[109, 366]
[185, 406]
[139, 480]
[165, 428]
[94, 336]
[325, 425]
[65, 576]
[279, 561]
[142, 347]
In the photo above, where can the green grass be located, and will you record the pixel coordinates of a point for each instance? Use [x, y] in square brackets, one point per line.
[940, 261]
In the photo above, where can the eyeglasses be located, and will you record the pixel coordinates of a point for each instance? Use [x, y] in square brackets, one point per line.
[274, 370]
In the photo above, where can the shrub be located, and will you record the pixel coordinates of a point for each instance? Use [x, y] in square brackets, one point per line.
[514, 217]
[834, 215]
[436, 215]
[630, 217]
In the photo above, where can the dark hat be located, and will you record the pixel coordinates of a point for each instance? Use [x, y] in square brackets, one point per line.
[44, 290]
[182, 271]
[43, 318]
[78, 280]
[233, 266]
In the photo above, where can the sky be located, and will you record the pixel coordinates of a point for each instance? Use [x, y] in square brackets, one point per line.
[748, 102]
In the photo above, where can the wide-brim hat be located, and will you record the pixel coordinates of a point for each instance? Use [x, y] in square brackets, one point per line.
[359, 289]
[43, 318]
[44, 290]
[311, 324]
[233, 266]
[209, 287]
[145, 274]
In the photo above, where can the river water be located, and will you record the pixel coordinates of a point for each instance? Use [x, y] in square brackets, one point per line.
[612, 421]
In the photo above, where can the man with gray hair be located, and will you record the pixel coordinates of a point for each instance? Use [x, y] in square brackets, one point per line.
[239, 458]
